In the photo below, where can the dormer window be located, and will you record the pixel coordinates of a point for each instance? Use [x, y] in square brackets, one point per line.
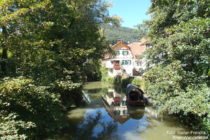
[125, 52]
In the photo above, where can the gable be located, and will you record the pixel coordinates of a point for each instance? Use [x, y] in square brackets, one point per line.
[120, 45]
[121, 48]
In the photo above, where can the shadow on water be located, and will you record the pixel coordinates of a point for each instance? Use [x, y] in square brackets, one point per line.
[97, 121]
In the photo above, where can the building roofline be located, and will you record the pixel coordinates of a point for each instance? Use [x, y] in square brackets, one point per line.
[120, 43]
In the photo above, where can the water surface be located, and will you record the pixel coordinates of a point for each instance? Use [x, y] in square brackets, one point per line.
[95, 122]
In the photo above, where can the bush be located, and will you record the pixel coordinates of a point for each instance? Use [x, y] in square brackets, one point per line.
[104, 73]
[121, 82]
[11, 127]
[91, 70]
[71, 93]
[105, 77]
[164, 82]
[176, 91]
[110, 80]
[140, 82]
[28, 111]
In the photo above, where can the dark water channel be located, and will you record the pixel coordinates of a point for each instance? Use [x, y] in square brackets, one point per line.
[95, 122]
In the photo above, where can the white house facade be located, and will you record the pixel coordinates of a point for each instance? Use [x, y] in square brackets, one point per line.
[125, 61]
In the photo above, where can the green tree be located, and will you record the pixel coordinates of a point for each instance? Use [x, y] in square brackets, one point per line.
[52, 36]
[142, 29]
[48, 42]
[28, 111]
[179, 59]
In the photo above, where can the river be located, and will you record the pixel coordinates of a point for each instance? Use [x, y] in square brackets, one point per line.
[94, 122]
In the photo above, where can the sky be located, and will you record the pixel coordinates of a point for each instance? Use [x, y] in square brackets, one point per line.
[132, 12]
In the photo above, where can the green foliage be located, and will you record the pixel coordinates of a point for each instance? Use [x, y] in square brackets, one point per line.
[71, 93]
[142, 29]
[28, 110]
[10, 127]
[91, 70]
[163, 81]
[51, 42]
[205, 122]
[179, 59]
[104, 75]
[140, 82]
[169, 95]
[121, 82]
[44, 43]
[109, 79]
[194, 100]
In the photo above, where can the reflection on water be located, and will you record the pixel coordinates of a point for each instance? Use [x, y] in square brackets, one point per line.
[98, 124]
[112, 121]
[115, 105]
[95, 125]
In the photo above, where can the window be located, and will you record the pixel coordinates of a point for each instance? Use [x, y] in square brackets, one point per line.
[116, 112]
[126, 62]
[123, 103]
[124, 112]
[125, 52]
[117, 52]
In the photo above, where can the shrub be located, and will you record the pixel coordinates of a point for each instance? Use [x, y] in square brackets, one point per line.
[140, 82]
[104, 73]
[164, 82]
[121, 82]
[27, 111]
[176, 91]
[70, 93]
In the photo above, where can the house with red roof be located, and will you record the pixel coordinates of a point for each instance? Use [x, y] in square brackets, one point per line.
[126, 59]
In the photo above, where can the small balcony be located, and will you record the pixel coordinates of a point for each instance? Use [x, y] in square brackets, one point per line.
[117, 67]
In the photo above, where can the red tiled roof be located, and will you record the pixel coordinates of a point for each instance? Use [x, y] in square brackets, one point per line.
[137, 48]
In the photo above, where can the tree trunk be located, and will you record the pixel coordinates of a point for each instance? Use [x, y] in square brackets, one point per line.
[4, 51]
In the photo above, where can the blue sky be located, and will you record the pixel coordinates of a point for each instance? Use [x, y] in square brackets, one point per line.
[132, 12]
